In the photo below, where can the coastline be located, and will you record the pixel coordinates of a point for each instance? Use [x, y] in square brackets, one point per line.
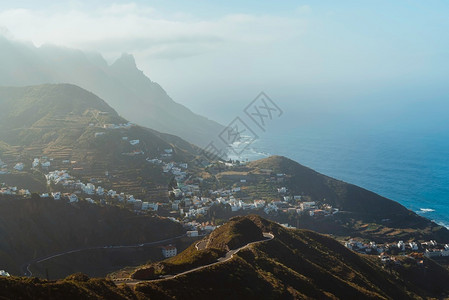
[426, 210]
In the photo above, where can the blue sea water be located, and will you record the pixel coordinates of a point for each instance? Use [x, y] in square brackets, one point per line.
[408, 165]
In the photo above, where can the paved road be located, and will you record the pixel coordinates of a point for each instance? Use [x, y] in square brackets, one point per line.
[229, 255]
[26, 267]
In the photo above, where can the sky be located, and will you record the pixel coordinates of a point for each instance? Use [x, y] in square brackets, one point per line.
[336, 57]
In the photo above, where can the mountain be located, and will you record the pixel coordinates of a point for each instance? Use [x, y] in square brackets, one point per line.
[77, 131]
[121, 84]
[300, 264]
[291, 264]
[38, 227]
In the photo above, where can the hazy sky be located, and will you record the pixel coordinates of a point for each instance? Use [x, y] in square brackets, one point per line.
[215, 56]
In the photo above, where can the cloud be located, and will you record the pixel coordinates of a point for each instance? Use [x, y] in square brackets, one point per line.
[304, 9]
[134, 27]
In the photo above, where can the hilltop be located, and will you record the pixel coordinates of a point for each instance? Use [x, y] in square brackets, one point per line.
[234, 234]
[121, 84]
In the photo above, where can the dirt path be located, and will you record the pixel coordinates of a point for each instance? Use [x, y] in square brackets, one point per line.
[229, 255]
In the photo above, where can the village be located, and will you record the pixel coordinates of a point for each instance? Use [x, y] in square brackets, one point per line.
[389, 252]
[189, 204]
[185, 202]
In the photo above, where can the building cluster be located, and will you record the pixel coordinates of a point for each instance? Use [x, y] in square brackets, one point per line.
[63, 179]
[12, 190]
[179, 170]
[195, 228]
[429, 249]
[43, 162]
[112, 127]
[118, 126]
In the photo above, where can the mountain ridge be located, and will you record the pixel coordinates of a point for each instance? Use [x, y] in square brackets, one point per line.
[121, 84]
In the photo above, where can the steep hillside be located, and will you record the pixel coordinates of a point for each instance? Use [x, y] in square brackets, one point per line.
[301, 264]
[348, 197]
[35, 228]
[361, 212]
[66, 123]
[121, 84]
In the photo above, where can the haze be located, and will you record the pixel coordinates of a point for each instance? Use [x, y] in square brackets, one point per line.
[214, 57]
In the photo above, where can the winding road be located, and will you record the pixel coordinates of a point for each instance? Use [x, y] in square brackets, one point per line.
[229, 255]
[26, 267]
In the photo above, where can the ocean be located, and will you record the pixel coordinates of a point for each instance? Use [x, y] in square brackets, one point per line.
[407, 164]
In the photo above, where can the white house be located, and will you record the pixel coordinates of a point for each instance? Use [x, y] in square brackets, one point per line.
[282, 190]
[307, 205]
[35, 163]
[259, 203]
[401, 245]
[413, 246]
[192, 233]
[270, 208]
[73, 198]
[235, 207]
[46, 164]
[89, 189]
[177, 193]
[19, 166]
[4, 273]
[100, 191]
[169, 251]
[134, 142]
[24, 192]
[432, 253]
[150, 206]
[56, 196]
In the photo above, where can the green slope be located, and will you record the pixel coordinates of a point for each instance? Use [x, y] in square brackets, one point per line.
[61, 121]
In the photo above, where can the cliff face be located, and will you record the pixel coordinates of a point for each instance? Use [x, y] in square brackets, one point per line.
[122, 85]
